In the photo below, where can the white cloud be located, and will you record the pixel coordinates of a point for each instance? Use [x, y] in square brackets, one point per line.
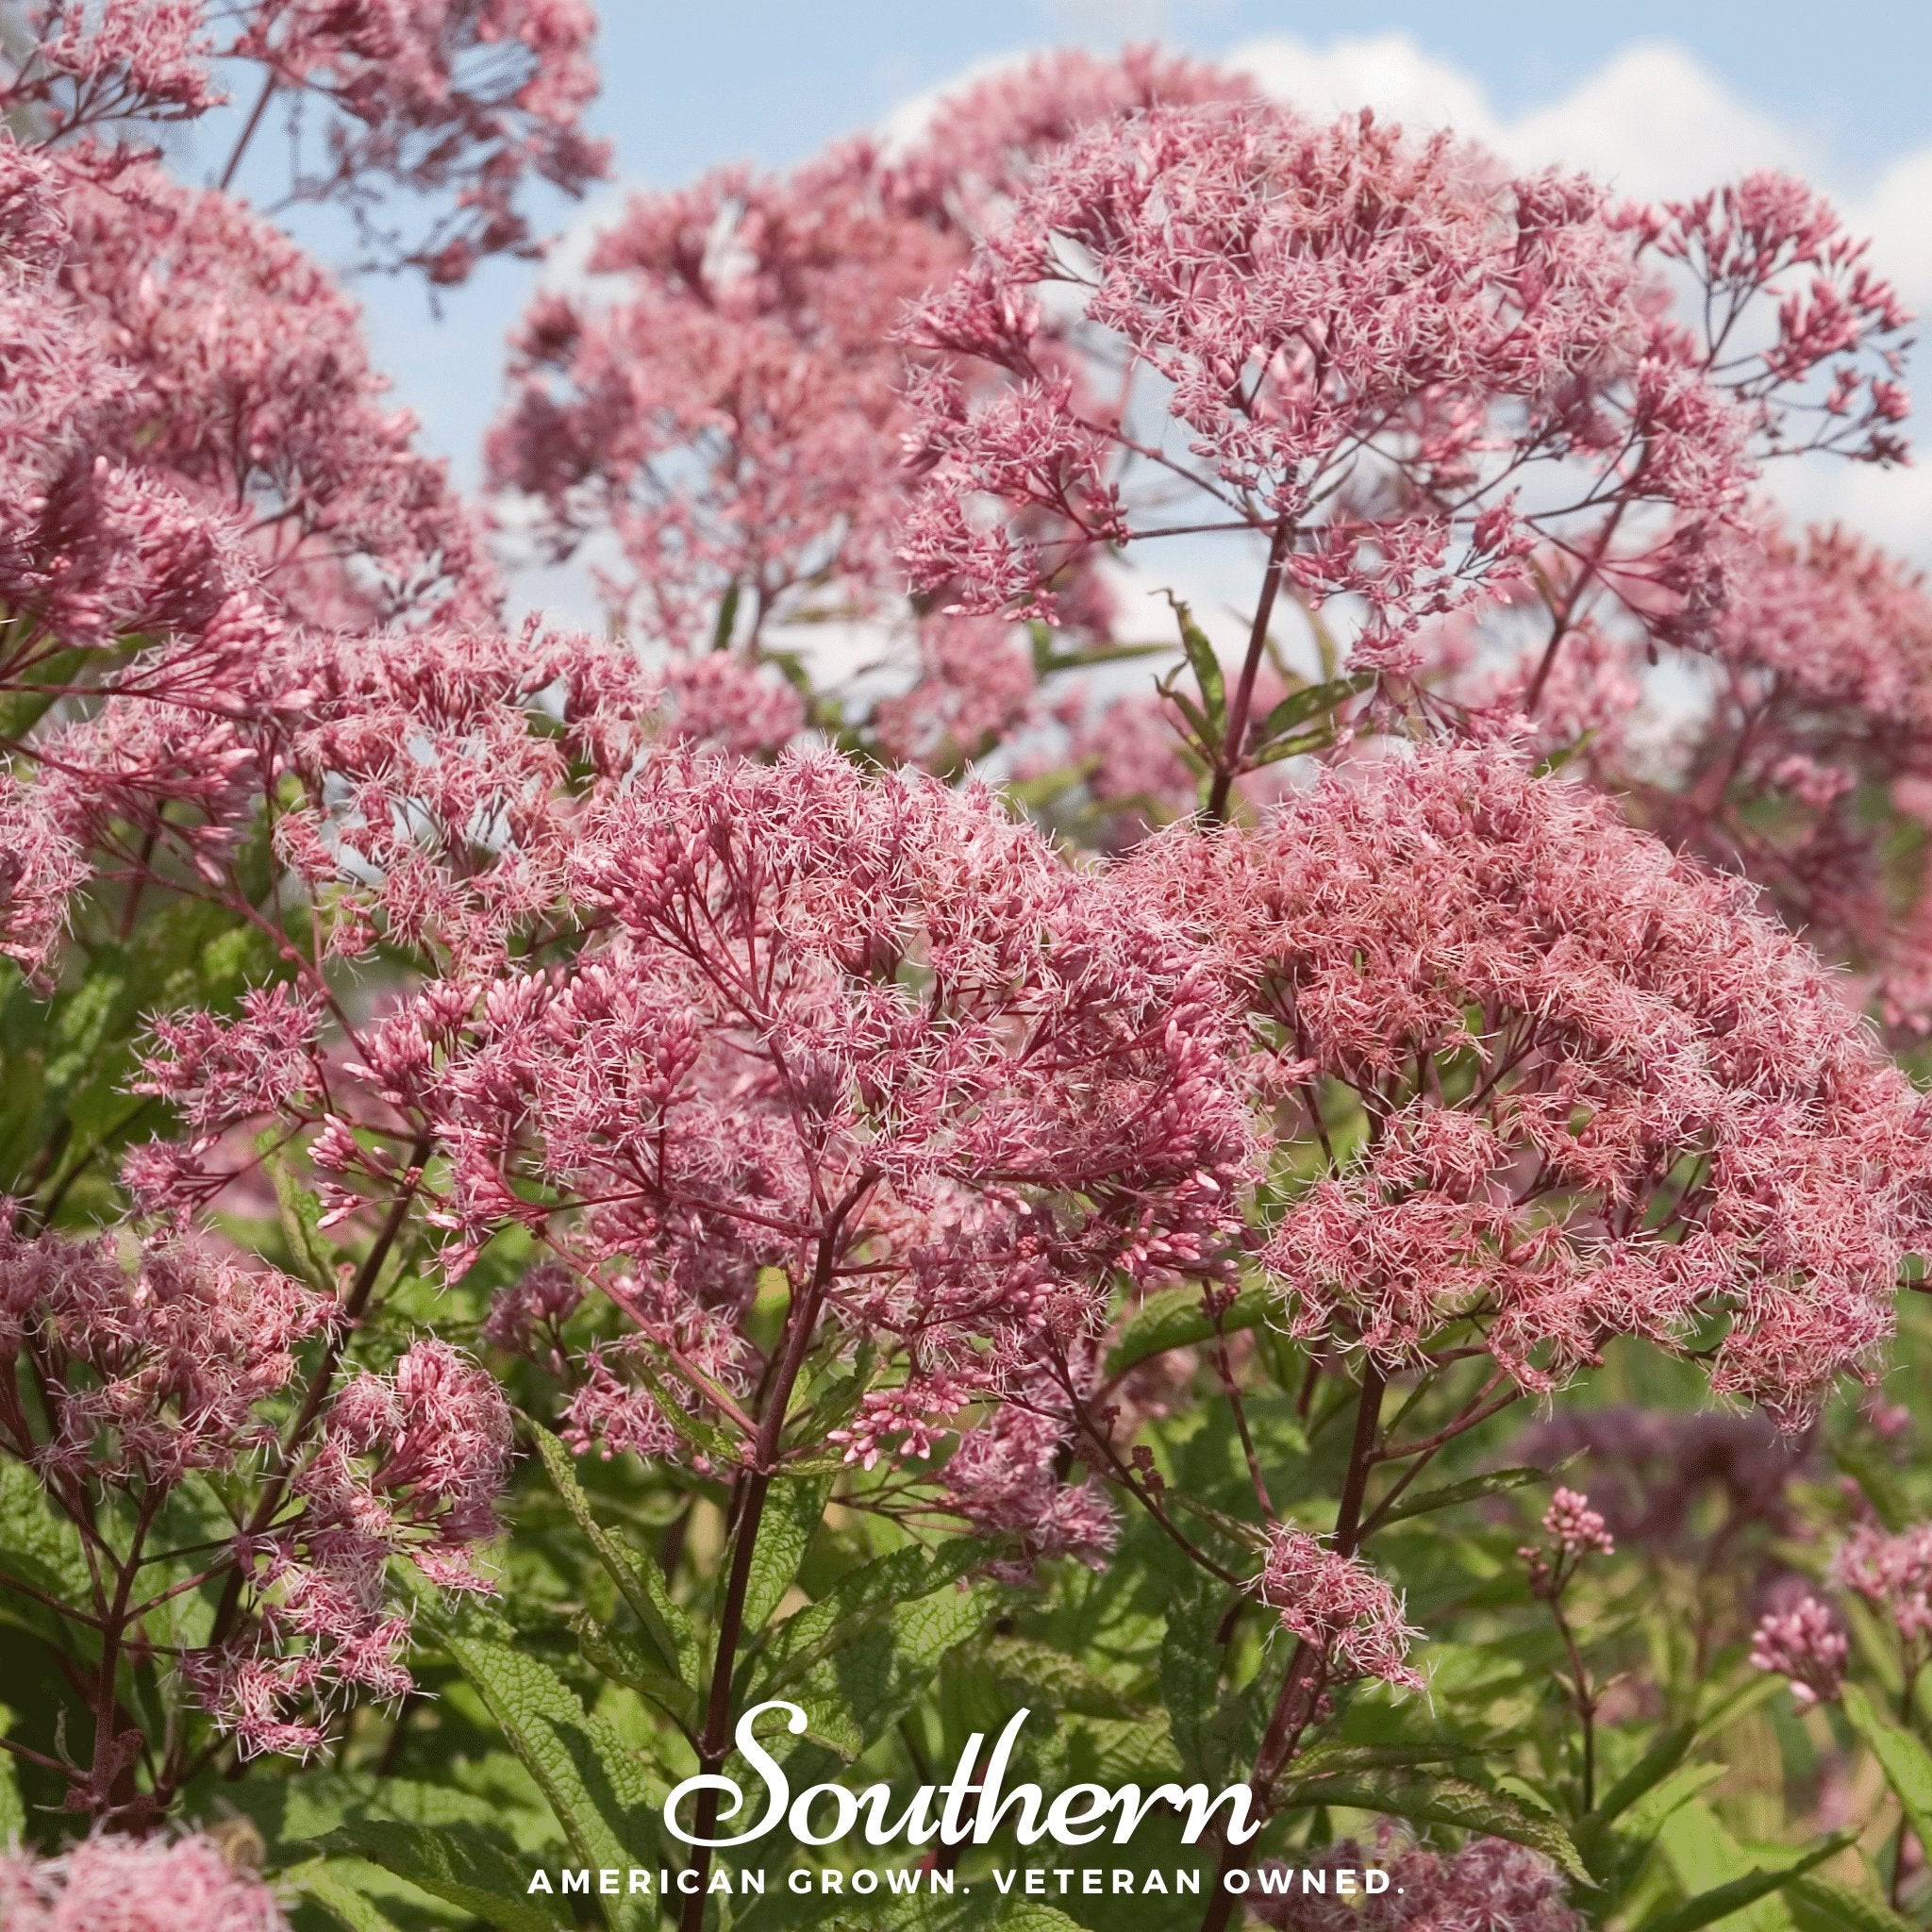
[1386, 72]
[1654, 120]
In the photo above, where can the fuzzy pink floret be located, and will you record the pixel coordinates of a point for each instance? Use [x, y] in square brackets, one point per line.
[1339, 1607]
[120, 1884]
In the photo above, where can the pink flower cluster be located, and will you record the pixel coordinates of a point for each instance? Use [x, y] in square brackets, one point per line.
[1357, 344]
[1577, 1528]
[1805, 1644]
[731, 411]
[732, 420]
[1893, 1573]
[1339, 1607]
[1575, 1531]
[1820, 714]
[250, 392]
[1002, 1478]
[1827, 375]
[459, 103]
[1590, 1090]
[405, 1465]
[135, 1885]
[870, 1033]
[1490, 1885]
[148, 1374]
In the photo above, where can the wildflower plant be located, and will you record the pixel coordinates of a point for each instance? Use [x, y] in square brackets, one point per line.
[852, 1145]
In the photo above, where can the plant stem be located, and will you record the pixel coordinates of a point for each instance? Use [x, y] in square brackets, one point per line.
[1301, 1689]
[1235, 732]
[248, 131]
[714, 1745]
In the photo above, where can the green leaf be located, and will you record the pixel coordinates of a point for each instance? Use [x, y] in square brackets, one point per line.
[1310, 701]
[1047, 661]
[292, 1812]
[1906, 1764]
[1205, 738]
[37, 1544]
[457, 1862]
[594, 1788]
[1191, 1670]
[638, 1578]
[1703, 1859]
[1338, 1756]
[1067, 1686]
[350, 1907]
[1857, 1911]
[728, 616]
[617, 1654]
[1178, 1318]
[1647, 1815]
[793, 1512]
[1469, 1491]
[858, 1603]
[874, 1678]
[1722, 1901]
[1206, 665]
[1665, 1754]
[1450, 1801]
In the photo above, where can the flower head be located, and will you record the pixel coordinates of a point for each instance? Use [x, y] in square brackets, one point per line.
[1539, 1017]
[1339, 1607]
[1805, 1644]
[135, 1885]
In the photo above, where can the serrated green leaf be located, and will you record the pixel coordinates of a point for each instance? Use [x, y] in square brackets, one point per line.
[1178, 1318]
[1450, 1801]
[1337, 1757]
[1191, 1670]
[345, 1902]
[638, 1578]
[1066, 1684]
[292, 1812]
[457, 1862]
[38, 1544]
[1471, 1489]
[1857, 1911]
[857, 1601]
[793, 1512]
[878, 1674]
[616, 1654]
[1906, 1762]
[594, 1788]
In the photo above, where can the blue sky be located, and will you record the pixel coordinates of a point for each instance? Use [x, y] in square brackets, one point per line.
[1664, 97]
